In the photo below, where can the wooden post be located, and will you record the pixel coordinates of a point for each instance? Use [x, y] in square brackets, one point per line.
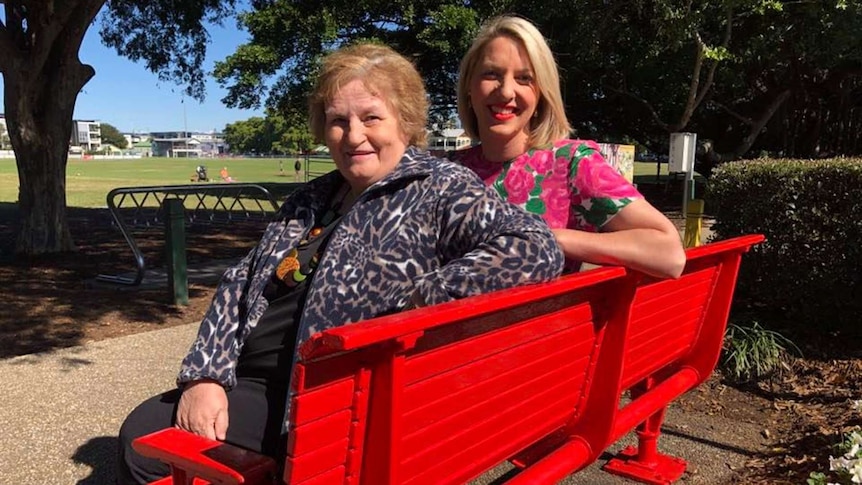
[175, 247]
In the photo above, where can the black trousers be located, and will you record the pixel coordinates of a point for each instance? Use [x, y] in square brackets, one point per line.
[255, 413]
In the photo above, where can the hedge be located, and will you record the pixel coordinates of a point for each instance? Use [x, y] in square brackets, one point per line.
[809, 270]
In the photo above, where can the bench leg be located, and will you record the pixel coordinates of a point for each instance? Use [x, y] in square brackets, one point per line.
[644, 463]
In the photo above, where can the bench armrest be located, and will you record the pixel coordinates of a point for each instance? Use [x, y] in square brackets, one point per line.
[190, 455]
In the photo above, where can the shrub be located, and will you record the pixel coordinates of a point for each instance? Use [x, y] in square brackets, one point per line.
[752, 352]
[810, 267]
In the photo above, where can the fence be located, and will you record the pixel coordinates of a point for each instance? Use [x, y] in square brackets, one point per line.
[205, 204]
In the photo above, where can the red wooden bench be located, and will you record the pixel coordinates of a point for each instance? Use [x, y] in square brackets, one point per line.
[532, 375]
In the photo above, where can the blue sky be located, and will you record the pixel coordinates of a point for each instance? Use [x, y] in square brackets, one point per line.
[131, 98]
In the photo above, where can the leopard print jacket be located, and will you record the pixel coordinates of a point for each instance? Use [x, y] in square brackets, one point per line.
[430, 229]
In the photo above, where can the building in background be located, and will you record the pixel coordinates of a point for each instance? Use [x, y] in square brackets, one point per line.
[448, 139]
[4, 134]
[86, 134]
[186, 144]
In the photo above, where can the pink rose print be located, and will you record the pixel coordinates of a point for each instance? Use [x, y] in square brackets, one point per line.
[542, 162]
[556, 199]
[518, 184]
[596, 178]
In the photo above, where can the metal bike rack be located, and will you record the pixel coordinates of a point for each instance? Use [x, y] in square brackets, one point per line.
[206, 204]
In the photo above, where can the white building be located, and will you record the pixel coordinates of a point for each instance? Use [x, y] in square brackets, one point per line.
[187, 144]
[448, 139]
[4, 134]
[87, 134]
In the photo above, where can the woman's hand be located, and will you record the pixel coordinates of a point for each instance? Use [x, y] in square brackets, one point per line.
[202, 409]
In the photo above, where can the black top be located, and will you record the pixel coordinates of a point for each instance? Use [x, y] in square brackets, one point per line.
[268, 350]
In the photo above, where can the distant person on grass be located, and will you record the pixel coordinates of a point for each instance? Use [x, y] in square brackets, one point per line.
[509, 99]
[297, 168]
[391, 229]
[225, 177]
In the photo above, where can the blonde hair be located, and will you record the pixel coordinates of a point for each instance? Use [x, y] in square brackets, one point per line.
[550, 123]
[385, 73]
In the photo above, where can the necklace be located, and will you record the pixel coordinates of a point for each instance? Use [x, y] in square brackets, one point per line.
[293, 270]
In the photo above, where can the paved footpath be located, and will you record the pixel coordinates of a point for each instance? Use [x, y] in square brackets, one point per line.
[61, 412]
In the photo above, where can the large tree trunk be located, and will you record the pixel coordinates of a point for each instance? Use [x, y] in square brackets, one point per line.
[42, 78]
[39, 118]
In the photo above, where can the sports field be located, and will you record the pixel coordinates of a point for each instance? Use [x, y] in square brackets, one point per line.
[89, 181]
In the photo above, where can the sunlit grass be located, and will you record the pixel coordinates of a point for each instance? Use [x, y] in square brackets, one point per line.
[89, 181]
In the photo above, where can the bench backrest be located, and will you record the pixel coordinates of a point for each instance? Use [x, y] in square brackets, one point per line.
[440, 395]
[676, 330]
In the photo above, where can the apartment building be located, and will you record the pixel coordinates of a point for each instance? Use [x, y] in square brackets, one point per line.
[86, 134]
[4, 134]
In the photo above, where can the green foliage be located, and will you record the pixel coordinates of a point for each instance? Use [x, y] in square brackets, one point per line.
[816, 478]
[169, 37]
[254, 135]
[276, 133]
[289, 37]
[752, 352]
[846, 467]
[809, 270]
[637, 70]
[112, 135]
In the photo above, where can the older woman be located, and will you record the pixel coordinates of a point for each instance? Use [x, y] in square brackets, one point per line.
[392, 228]
[509, 99]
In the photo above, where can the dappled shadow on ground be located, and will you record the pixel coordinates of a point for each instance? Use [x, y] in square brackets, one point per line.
[48, 302]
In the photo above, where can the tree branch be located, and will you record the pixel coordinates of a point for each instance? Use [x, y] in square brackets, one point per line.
[710, 77]
[69, 24]
[757, 126]
[739, 117]
[642, 102]
[697, 93]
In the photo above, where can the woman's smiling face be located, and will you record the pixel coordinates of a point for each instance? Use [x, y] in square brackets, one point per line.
[503, 93]
[363, 135]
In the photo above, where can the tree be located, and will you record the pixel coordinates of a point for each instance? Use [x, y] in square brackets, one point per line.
[254, 135]
[42, 76]
[112, 135]
[288, 38]
[730, 70]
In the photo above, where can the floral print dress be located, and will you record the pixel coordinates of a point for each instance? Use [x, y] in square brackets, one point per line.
[569, 184]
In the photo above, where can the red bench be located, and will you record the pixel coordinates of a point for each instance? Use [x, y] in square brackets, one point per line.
[532, 375]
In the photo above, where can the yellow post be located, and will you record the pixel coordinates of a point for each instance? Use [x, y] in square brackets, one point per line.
[693, 223]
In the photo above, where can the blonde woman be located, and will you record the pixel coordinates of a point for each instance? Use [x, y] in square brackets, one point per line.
[509, 99]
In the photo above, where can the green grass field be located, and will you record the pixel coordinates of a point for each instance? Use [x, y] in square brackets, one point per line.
[89, 181]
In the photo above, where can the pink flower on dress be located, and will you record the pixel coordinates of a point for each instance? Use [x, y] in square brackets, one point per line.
[596, 178]
[542, 161]
[556, 199]
[518, 184]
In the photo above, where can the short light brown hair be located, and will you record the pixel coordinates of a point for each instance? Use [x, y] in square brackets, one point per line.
[550, 123]
[385, 73]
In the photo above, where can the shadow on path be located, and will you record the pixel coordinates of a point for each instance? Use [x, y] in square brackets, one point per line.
[100, 454]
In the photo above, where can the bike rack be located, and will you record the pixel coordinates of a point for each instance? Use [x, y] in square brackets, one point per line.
[215, 204]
